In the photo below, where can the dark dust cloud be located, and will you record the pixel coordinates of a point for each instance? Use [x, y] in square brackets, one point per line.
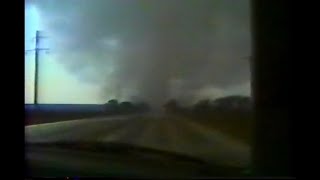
[152, 49]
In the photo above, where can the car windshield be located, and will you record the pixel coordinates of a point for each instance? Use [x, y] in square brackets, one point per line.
[168, 77]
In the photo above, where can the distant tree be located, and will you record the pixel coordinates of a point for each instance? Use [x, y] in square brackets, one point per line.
[233, 103]
[126, 107]
[202, 106]
[126, 104]
[112, 106]
[113, 102]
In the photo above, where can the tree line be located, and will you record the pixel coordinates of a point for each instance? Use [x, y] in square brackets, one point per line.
[223, 104]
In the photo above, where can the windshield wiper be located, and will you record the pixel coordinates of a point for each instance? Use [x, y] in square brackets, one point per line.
[116, 147]
[125, 149]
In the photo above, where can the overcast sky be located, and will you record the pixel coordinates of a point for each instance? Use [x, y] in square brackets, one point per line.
[139, 49]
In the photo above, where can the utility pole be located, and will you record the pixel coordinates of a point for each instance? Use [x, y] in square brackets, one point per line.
[36, 75]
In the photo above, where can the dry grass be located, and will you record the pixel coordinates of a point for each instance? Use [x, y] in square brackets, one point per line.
[237, 125]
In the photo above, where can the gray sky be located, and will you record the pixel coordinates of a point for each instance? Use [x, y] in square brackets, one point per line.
[142, 49]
